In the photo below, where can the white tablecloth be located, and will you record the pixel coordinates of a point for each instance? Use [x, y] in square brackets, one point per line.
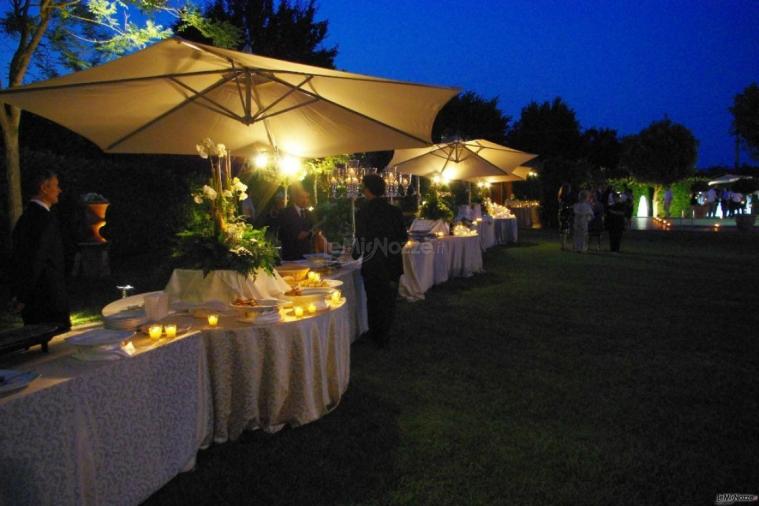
[353, 290]
[418, 270]
[190, 285]
[505, 230]
[115, 432]
[287, 374]
[463, 256]
[486, 231]
[527, 217]
[106, 433]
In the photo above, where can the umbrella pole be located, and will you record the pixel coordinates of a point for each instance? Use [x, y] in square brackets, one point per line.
[418, 193]
[285, 184]
[316, 193]
[353, 216]
[469, 192]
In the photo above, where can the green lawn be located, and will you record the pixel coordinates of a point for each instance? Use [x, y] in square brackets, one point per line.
[554, 378]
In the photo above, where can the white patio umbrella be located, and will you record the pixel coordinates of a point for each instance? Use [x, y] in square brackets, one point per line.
[727, 179]
[168, 97]
[517, 174]
[460, 160]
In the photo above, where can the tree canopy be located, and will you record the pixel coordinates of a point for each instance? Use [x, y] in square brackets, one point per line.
[288, 31]
[550, 129]
[471, 116]
[662, 153]
[745, 111]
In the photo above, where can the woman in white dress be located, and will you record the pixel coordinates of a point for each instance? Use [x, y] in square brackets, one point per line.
[583, 213]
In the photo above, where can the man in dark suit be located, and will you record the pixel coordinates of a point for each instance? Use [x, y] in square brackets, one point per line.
[39, 273]
[295, 226]
[380, 236]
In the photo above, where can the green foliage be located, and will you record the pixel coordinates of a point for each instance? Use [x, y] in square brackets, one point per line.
[745, 111]
[289, 31]
[662, 153]
[334, 219]
[434, 207]
[239, 247]
[469, 116]
[549, 129]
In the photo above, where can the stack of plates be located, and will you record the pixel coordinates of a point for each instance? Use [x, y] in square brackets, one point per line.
[103, 344]
[420, 235]
[129, 319]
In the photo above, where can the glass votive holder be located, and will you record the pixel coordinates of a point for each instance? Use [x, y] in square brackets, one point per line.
[213, 320]
[298, 311]
[311, 309]
[312, 276]
[155, 332]
[336, 297]
[171, 330]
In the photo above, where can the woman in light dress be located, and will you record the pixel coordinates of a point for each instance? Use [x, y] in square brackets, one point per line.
[583, 213]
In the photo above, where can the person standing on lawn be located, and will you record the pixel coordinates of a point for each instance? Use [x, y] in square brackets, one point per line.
[380, 237]
[583, 213]
[616, 222]
[38, 273]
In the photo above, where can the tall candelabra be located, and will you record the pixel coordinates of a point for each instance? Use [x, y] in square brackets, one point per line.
[396, 184]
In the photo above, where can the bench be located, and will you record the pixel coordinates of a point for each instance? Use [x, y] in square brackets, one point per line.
[27, 336]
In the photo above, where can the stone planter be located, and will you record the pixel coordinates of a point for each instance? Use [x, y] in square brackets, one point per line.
[745, 222]
[95, 212]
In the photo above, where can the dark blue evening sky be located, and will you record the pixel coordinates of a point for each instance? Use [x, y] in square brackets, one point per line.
[618, 64]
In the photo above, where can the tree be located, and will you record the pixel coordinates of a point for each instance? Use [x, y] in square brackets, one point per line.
[661, 154]
[289, 31]
[552, 131]
[469, 116]
[601, 152]
[64, 32]
[745, 111]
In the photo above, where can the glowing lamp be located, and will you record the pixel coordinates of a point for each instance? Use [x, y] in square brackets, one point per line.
[261, 160]
[289, 166]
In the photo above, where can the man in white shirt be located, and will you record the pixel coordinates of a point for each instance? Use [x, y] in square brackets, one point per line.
[711, 199]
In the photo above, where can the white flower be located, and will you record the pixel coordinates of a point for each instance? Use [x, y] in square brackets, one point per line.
[221, 150]
[209, 192]
[201, 151]
[198, 199]
[235, 181]
[227, 194]
[242, 196]
[239, 186]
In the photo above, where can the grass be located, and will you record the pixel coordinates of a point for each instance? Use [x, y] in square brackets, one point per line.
[554, 378]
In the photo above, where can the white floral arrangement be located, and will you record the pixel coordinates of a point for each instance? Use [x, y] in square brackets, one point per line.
[463, 231]
[496, 210]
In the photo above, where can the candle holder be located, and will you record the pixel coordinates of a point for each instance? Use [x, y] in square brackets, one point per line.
[311, 309]
[298, 311]
[171, 330]
[155, 332]
[213, 320]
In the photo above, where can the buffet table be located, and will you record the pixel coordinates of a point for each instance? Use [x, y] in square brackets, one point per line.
[461, 255]
[103, 432]
[486, 231]
[114, 432]
[353, 290]
[527, 216]
[418, 270]
[505, 230]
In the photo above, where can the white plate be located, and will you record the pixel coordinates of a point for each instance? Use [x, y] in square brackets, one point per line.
[18, 379]
[100, 337]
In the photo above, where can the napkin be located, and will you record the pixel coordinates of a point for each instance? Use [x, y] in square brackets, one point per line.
[106, 352]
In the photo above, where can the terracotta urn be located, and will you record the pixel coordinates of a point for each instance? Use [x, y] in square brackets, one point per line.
[96, 220]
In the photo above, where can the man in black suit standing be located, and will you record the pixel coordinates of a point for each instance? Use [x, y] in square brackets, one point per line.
[295, 226]
[39, 272]
[380, 236]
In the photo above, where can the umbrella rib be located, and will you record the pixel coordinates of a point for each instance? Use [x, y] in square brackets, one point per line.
[188, 100]
[221, 109]
[432, 153]
[24, 89]
[496, 167]
[262, 112]
[356, 77]
[288, 109]
[319, 97]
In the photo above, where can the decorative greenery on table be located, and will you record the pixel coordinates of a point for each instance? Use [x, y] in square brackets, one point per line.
[435, 208]
[217, 237]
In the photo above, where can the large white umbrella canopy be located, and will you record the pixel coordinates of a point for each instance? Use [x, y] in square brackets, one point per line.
[171, 95]
[727, 179]
[517, 174]
[460, 160]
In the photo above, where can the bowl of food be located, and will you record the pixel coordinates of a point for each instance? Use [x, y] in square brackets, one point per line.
[300, 298]
[296, 272]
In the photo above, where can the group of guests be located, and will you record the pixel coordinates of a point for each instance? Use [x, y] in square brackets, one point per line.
[725, 200]
[38, 271]
[585, 215]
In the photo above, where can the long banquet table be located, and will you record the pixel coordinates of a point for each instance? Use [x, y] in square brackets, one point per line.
[505, 230]
[114, 432]
[436, 261]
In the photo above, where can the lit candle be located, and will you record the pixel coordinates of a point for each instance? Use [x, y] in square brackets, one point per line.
[213, 320]
[155, 332]
[311, 309]
[336, 296]
[171, 330]
[317, 276]
[298, 311]
[312, 276]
